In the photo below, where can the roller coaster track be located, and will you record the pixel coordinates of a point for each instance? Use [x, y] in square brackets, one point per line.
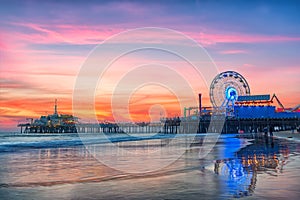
[281, 105]
[295, 108]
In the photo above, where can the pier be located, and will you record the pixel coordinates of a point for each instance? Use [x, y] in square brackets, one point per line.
[170, 126]
[234, 110]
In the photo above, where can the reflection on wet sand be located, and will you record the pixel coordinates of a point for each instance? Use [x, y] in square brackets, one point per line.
[46, 167]
[52, 166]
[239, 175]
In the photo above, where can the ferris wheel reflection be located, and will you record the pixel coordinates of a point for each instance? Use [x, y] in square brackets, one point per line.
[238, 176]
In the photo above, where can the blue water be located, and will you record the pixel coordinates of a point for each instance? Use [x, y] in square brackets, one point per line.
[66, 166]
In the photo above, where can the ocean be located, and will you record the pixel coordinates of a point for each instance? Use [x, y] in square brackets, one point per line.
[143, 166]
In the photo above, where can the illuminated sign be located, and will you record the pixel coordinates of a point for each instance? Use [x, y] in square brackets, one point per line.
[264, 97]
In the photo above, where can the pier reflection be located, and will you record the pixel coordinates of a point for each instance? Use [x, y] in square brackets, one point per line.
[46, 167]
[239, 175]
[52, 166]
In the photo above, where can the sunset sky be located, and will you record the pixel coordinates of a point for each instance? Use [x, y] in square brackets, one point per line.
[43, 45]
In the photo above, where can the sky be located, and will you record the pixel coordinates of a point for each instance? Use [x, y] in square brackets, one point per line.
[43, 45]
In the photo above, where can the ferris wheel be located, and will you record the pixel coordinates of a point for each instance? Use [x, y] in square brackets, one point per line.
[226, 87]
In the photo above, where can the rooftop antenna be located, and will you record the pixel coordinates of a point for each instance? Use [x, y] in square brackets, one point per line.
[55, 107]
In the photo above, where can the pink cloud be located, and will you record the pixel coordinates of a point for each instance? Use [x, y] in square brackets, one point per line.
[2, 45]
[212, 38]
[63, 33]
[242, 38]
[81, 34]
[234, 51]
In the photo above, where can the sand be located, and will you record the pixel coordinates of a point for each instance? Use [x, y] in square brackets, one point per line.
[287, 134]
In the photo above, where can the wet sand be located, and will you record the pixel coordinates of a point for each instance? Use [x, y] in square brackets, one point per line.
[287, 134]
[39, 167]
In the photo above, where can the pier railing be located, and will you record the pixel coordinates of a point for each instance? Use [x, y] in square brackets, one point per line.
[168, 126]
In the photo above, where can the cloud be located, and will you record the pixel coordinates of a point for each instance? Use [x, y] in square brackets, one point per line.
[214, 38]
[90, 34]
[2, 45]
[64, 33]
[233, 51]
[9, 83]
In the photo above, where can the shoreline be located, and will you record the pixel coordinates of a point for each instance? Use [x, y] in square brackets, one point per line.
[287, 135]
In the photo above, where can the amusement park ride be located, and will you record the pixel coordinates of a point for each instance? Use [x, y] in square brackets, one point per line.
[225, 90]
[229, 90]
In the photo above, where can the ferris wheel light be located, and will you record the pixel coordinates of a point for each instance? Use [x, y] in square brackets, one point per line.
[226, 87]
[231, 93]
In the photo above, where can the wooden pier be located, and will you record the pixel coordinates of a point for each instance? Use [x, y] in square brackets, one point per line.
[170, 126]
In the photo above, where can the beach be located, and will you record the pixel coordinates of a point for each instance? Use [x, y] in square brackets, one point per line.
[288, 134]
[237, 167]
